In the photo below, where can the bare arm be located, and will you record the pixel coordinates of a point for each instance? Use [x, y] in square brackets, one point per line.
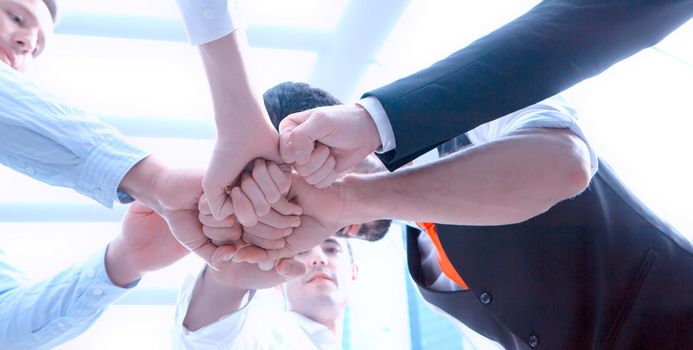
[212, 300]
[506, 181]
[244, 131]
[502, 182]
[220, 292]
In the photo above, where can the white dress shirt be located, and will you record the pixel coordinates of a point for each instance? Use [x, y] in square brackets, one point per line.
[256, 325]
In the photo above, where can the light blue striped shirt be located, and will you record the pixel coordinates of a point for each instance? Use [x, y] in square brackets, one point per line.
[53, 142]
[45, 314]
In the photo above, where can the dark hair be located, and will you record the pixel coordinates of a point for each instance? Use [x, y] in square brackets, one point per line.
[289, 97]
[52, 8]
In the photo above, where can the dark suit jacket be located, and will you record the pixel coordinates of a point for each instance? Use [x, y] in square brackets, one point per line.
[552, 47]
[599, 271]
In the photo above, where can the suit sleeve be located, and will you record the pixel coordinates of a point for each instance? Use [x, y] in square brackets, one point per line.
[545, 51]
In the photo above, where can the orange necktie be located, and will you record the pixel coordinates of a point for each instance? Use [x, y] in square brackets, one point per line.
[443, 261]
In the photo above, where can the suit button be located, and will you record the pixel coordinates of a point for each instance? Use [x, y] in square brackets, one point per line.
[533, 341]
[485, 298]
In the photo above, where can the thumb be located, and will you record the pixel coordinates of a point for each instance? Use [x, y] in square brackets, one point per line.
[299, 133]
[219, 202]
[290, 268]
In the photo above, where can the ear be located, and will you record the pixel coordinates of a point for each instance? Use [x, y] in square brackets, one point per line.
[351, 230]
[354, 272]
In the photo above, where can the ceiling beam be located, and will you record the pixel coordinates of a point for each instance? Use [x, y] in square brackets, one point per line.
[172, 30]
[361, 32]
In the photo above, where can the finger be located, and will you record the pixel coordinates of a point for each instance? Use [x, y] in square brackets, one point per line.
[267, 232]
[277, 220]
[222, 256]
[232, 233]
[258, 255]
[303, 137]
[264, 180]
[203, 206]
[290, 268]
[322, 173]
[262, 242]
[254, 193]
[266, 265]
[245, 214]
[347, 160]
[219, 202]
[290, 151]
[209, 220]
[316, 160]
[250, 254]
[332, 177]
[188, 231]
[281, 178]
[286, 208]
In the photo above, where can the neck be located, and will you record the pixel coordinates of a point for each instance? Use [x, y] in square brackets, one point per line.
[336, 326]
[333, 321]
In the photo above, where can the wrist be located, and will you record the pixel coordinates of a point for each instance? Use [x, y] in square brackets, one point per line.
[372, 135]
[360, 205]
[141, 182]
[379, 129]
[120, 265]
[214, 282]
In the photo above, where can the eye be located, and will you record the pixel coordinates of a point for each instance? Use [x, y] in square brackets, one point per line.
[332, 250]
[15, 18]
[302, 253]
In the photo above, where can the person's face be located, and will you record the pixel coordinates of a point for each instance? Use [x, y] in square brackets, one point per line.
[325, 287]
[370, 231]
[24, 26]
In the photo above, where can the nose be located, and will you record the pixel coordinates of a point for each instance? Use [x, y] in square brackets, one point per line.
[317, 257]
[24, 40]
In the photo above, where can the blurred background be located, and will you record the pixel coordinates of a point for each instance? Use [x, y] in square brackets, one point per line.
[128, 62]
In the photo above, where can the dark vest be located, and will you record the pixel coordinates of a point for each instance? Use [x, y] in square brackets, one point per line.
[599, 271]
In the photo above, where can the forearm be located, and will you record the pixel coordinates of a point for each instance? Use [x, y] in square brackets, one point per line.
[236, 105]
[502, 182]
[211, 301]
[45, 314]
[142, 183]
[120, 265]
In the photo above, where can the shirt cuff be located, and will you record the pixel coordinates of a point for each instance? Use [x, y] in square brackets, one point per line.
[377, 112]
[98, 285]
[105, 167]
[206, 20]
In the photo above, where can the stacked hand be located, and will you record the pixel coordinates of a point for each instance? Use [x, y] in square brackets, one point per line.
[326, 141]
[145, 244]
[321, 144]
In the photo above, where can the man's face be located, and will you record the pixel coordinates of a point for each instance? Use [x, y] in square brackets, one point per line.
[24, 26]
[325, 287]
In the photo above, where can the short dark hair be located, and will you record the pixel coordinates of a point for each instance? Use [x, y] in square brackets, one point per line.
[52, 8]
[290, 97]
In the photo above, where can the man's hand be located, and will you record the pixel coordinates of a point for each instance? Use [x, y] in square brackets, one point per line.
[248, 276]
[348, 132]
[233, 153]
[324, 213]
[144, 244]
[175, 194]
